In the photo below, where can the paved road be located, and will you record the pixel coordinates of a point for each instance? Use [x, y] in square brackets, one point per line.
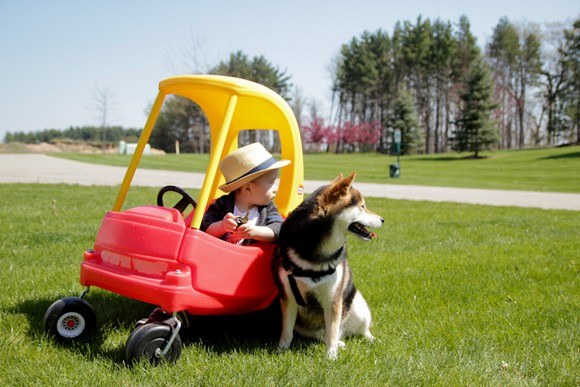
[38, 168]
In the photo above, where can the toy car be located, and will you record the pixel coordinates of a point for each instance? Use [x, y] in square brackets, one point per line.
[157, 255]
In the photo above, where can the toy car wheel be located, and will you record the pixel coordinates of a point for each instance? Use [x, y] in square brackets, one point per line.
[147, 341]
[70, 318]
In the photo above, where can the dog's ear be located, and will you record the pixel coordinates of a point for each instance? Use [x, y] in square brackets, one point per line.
[334, 192]
[343, 186]
[350, 178]
[338, 178]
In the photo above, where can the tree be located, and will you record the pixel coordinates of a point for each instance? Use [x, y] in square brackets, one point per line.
[258, 69]
[102, 102]
[182, 120]
[476, 131]
[404, 118]
[441, 57]
[89, 134]
[570, 57]
[360, 136]
[528, 71]
[515, 54]
[315, 132]
[467, 52]
[383, 87]
[417, 42]
[555, 73]
[433, 61]
[503, 53]
[364, 85]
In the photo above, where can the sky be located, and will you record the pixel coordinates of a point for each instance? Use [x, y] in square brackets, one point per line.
[55, 56]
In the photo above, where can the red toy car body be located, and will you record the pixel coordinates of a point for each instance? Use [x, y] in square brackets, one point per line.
[149, 254]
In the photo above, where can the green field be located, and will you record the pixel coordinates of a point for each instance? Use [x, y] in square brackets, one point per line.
[460, 295]
[554, 169]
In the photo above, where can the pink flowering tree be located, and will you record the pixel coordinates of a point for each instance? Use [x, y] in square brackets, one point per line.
[362, 136]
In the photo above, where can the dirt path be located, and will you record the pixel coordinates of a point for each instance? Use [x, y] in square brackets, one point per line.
[39, 168]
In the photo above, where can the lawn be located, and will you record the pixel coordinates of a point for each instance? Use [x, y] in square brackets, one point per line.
[460, 295]
[554, 169]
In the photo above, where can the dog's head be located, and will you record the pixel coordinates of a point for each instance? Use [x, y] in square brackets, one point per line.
[348, 208]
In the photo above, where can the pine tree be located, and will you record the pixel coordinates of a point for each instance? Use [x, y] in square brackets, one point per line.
[441, 57]
[181, 119]
[404, 118]
[571, 60]
[503, 53]
[476, 131]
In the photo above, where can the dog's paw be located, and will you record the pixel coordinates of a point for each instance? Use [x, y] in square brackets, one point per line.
[332, 352]
[284, 344]
[369, 336]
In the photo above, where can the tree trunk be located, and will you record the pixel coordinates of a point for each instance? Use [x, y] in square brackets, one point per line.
[521, 110]
[447, 119]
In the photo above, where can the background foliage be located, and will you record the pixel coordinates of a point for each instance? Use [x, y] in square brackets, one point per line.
[88, 134]
[531, 83]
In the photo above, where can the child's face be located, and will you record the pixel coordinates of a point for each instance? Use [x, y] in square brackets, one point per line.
[264, 188]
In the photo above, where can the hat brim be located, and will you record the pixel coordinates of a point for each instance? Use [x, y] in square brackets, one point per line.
[246, 179]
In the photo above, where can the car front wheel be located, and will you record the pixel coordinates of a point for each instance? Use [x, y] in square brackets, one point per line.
[147, 341]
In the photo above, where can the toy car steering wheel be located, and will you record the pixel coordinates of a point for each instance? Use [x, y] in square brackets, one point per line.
[181, 205]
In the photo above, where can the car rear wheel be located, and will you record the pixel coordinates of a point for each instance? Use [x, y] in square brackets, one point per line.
[70, 318]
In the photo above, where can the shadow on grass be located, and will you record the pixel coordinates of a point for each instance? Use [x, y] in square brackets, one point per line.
[112, 312]
[220, 334]
[571, 155]
[240, 333]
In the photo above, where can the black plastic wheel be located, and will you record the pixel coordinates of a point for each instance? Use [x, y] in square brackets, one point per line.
[70, 318]
[146, 341]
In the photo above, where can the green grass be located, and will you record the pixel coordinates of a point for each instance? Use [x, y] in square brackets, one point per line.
[460, 295]
[554, 169]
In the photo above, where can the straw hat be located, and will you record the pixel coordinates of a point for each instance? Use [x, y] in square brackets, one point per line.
[247, 163]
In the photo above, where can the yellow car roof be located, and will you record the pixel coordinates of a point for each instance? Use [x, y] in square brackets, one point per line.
[232, 105]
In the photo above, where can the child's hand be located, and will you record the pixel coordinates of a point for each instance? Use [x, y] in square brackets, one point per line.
[229, 223]
[245, 231]
[251, 231]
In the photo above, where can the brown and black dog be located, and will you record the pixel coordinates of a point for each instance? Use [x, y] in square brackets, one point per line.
[317, 295]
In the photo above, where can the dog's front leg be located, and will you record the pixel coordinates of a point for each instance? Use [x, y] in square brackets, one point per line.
[289, 313]
[332, 322]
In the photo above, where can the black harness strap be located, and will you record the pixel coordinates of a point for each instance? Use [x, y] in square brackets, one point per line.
[297, 295]
[314, 275]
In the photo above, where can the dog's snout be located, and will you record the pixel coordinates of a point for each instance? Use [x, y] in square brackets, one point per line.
[382, 220]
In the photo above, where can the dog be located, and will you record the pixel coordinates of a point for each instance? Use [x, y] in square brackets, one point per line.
[317, 295]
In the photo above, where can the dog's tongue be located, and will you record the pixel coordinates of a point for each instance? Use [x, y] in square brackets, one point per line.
[373, 235]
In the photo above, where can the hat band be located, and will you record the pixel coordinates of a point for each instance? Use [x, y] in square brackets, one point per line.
[266, 164]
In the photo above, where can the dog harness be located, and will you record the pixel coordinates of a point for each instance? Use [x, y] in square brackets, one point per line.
[314, 275]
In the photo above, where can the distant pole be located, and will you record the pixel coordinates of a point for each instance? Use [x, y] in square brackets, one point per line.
[398, 144]
[395, 169]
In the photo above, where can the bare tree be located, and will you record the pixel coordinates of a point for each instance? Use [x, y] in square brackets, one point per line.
[298, 104]
[191, 57]
[102, 102]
